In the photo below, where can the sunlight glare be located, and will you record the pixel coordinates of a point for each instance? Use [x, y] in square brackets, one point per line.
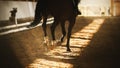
[79, 40]
[43, 63]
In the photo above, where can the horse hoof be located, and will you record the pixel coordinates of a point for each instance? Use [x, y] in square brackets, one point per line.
[53, 43]
[68, 50]
[33, 24]
[30, 26]
[58, 42]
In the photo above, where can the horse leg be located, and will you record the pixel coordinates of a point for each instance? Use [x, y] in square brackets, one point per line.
[54, 24]
[46, 39]
[71, 24]
[38, 15]
[44, 25]
[63, 30]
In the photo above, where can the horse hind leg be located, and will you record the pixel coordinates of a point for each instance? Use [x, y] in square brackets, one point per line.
[46, 39]
[44, 25]
[63, 30]
[71, 24]
[54, 25]
[58, 42]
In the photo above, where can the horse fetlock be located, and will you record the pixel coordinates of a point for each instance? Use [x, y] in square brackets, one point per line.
[53, 43]
[59, 42]
[46, 41]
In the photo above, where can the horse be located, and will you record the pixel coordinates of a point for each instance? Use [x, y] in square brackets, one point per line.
[62, 11]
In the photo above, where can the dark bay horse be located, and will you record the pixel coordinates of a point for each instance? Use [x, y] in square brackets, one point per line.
[61, 10]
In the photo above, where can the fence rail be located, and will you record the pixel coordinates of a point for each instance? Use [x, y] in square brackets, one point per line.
[22, 27]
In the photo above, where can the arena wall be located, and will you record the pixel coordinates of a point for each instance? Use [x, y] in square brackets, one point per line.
[24, 9]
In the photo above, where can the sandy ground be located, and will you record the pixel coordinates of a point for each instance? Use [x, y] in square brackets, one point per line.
[94, 44]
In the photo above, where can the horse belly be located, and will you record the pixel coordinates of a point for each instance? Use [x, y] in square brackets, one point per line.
[60, 8]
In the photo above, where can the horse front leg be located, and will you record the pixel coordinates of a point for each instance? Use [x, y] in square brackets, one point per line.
[71, 24]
